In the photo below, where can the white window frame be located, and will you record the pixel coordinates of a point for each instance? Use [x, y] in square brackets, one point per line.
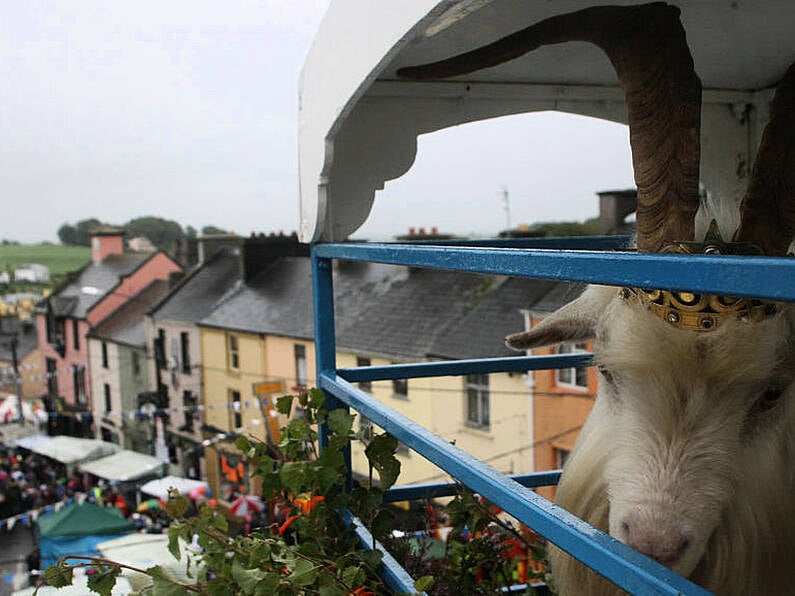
[233, 351]
[568, 378]
[477, 386]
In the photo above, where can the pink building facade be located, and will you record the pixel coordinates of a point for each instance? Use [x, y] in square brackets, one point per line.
[91, 294]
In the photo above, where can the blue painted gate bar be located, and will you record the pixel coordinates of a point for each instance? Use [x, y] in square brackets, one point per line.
[758, 277]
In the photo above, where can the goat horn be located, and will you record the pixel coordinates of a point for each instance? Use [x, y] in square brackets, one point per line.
[767, 212]
[646, 45]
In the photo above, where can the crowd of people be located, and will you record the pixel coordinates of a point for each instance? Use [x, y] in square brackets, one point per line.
[31, 485]
[31, 482]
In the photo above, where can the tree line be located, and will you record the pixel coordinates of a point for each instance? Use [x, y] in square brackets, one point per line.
[163, 233]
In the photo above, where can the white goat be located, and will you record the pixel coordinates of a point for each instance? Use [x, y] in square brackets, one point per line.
[688, 454]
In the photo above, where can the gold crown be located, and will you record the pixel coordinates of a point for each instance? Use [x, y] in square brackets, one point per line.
[698, 312]
[702, 312]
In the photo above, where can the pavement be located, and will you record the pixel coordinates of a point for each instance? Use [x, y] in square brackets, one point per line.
[14, 548]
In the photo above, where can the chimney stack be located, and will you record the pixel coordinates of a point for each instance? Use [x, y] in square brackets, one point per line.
[106, 241]
[614, 206]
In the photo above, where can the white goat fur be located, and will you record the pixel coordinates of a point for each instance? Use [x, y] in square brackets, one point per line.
[678, 438]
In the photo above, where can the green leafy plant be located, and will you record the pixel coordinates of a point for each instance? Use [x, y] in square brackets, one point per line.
[307, 546]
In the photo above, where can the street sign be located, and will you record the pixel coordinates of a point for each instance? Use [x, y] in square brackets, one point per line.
[267, 387]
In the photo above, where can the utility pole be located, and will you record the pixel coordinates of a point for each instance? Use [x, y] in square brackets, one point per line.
[507, 206]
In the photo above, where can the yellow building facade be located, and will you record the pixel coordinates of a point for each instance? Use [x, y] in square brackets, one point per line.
[498, 433]
[242, 374]
[497, 430]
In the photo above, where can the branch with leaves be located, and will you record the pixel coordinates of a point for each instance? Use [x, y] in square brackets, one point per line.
[307, 547]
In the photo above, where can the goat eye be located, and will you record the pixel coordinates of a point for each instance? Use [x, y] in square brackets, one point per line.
[769, 398]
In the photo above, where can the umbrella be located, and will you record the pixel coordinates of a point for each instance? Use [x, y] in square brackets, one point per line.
[246, 504]
[149, 504]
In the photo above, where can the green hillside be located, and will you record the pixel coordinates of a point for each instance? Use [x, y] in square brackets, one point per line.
[60, 259]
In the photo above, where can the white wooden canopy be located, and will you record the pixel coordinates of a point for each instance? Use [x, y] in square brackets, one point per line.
[358, 122]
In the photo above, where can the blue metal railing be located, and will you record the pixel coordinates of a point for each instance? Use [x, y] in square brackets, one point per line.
[758, 277]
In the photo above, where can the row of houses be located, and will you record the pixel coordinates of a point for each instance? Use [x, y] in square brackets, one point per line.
[140, 353]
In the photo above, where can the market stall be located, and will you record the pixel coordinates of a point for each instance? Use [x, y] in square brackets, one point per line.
[124, 466]
[184, 486]
[77, 529]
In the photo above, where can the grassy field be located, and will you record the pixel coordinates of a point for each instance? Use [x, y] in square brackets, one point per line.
[60, 259]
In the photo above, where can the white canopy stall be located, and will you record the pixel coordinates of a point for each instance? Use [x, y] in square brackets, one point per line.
[159, 488]
[359, 121]
[124, 466]
[32, 441]
[70, 451]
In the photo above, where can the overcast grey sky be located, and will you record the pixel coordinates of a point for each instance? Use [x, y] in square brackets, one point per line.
[187, 110]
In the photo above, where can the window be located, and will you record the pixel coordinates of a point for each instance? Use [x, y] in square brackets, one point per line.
[56, 335]
[49, 323]
[364, 385]
[184, 342]
[189, 406]
[301, 379]
[104, 355]
[108, 405]
[576, 377]
[136, 364]
[233, 352]
[75, 334]
[79, 381]
[160, 349]
[477, 391]
[52, 378]
[400, 387]
[237, 414]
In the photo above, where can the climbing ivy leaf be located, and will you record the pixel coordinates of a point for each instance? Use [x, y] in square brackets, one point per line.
[341, 422]
[247, 579]
[59, 575]
[103, 581]
[303, 573]
[381, 455]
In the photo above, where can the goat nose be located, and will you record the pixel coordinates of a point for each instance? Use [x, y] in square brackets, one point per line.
[666, 545]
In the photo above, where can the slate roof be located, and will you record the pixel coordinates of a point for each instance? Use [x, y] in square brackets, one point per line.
[126, 325]
[278, 300]
[391, 311]
[27, 339]
[448, 315]
[498, 311]
[196, 295]
[92, 283]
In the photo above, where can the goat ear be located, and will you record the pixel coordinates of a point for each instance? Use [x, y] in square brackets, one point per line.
[573, 322]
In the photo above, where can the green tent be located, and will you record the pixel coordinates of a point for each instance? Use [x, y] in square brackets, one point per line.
[76, 529]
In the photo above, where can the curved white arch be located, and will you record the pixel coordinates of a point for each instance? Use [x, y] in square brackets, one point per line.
[358, 122]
